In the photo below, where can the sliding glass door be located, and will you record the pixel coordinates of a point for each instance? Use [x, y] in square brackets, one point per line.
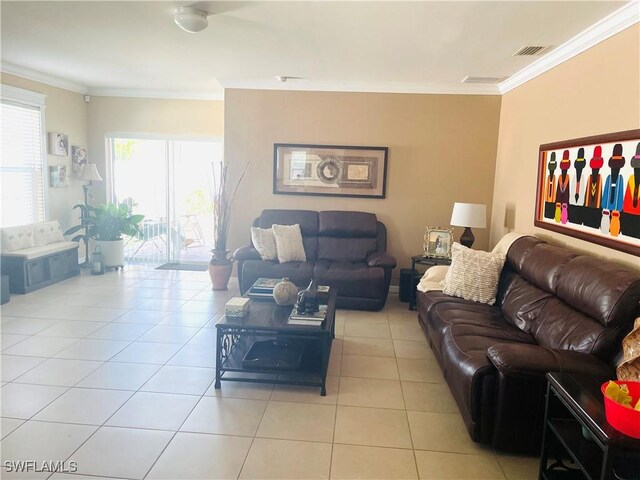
[170, 182]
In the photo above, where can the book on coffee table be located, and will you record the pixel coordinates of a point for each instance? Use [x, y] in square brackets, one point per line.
[313, 319]
[263, 287]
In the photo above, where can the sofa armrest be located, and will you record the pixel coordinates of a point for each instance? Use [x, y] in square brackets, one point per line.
[246, 253]
[534, 360]
[381, 259]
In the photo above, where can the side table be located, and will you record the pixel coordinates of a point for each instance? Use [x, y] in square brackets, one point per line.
[575, 410]
[428, 262]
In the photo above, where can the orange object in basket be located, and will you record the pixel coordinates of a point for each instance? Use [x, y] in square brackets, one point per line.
[624, 419]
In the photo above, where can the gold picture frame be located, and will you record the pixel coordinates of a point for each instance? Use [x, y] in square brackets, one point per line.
[437, 242]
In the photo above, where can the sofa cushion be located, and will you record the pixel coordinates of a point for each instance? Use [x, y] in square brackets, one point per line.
[522, 303]
[602, 290]
[445, 314]
[17, 238]
[473, 274]
[347, 236]
[289, 246]
[298, 272]
[351, 279]
[345, 249]
[36, 252]
[264, 242]
[347, 224]
[47, 232]
[465, 362]
[559, 326]
[545, 264]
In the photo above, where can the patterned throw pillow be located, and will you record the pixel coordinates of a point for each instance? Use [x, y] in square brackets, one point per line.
[265, 242]
[289, 243]
[473, 274]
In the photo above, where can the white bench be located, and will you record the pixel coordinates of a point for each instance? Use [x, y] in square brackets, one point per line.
[37, 255]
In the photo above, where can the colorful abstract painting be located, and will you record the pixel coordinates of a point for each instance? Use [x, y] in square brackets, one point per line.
[589, 188]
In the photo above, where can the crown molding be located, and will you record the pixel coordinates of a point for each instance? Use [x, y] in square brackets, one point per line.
[607, 27]
[7, 92]
[166, 94]
[52, 80]
[363, 87]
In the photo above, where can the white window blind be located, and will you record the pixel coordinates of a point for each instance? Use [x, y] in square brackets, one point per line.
[22, 172]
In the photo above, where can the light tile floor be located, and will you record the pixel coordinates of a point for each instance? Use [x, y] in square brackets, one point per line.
[115, 372]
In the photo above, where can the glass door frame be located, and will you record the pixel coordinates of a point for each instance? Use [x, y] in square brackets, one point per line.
[169, 166]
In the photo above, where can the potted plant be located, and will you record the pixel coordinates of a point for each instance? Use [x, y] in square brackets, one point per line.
[107, 224]
[221, 262]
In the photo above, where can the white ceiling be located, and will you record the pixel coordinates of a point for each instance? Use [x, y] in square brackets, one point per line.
[129, 47]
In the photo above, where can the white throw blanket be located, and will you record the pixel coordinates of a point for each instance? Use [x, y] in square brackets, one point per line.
[432, 278]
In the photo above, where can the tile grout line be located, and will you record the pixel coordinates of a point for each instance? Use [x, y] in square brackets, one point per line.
[335, 418]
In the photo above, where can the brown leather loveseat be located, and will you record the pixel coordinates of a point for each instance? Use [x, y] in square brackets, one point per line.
[555, 311]
[344, 249]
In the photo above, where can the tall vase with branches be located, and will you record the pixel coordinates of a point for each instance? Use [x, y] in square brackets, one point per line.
[223, 196]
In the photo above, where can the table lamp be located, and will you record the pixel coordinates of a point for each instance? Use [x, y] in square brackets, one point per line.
[468, 215]
[89, 173]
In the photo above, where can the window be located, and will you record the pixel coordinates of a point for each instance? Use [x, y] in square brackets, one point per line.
[22, 175]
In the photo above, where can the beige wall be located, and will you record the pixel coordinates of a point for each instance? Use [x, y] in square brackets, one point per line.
[149, 116]
[442, 149]
[65, 112]
[594, 93]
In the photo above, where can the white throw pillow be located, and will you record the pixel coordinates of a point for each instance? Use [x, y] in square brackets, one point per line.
[47, 232]
[473, 274]
[289, 243]
[17, 238]
[264, 241]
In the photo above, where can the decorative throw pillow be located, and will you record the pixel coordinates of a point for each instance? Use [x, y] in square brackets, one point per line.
[473, 274]
[289, 243]
[265, 242]
[47, 232]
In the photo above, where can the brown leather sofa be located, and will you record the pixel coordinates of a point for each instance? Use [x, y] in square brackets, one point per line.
[555, 311]
[345, 250]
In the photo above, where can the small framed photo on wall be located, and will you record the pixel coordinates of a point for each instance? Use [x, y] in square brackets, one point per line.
[58, 176]
[58, 144]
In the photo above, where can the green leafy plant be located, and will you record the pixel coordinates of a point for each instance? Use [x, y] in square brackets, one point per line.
[105, 222]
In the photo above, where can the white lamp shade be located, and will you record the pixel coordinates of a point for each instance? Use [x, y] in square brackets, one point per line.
[472, 215]
[90, 173]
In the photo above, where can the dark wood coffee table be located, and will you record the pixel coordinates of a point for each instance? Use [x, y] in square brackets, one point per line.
[268, 321]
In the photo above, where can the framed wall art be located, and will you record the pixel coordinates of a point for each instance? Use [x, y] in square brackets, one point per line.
[329, 170]
[437, 242]
[58, 176]
[78, 160]
[589, 188]
[58, 144]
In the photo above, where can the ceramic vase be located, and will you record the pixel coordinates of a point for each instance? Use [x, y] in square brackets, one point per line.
[285, 292]
[220, 268]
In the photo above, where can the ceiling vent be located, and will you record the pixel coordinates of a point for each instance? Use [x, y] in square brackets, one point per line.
[472, 79]
[531, 50]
